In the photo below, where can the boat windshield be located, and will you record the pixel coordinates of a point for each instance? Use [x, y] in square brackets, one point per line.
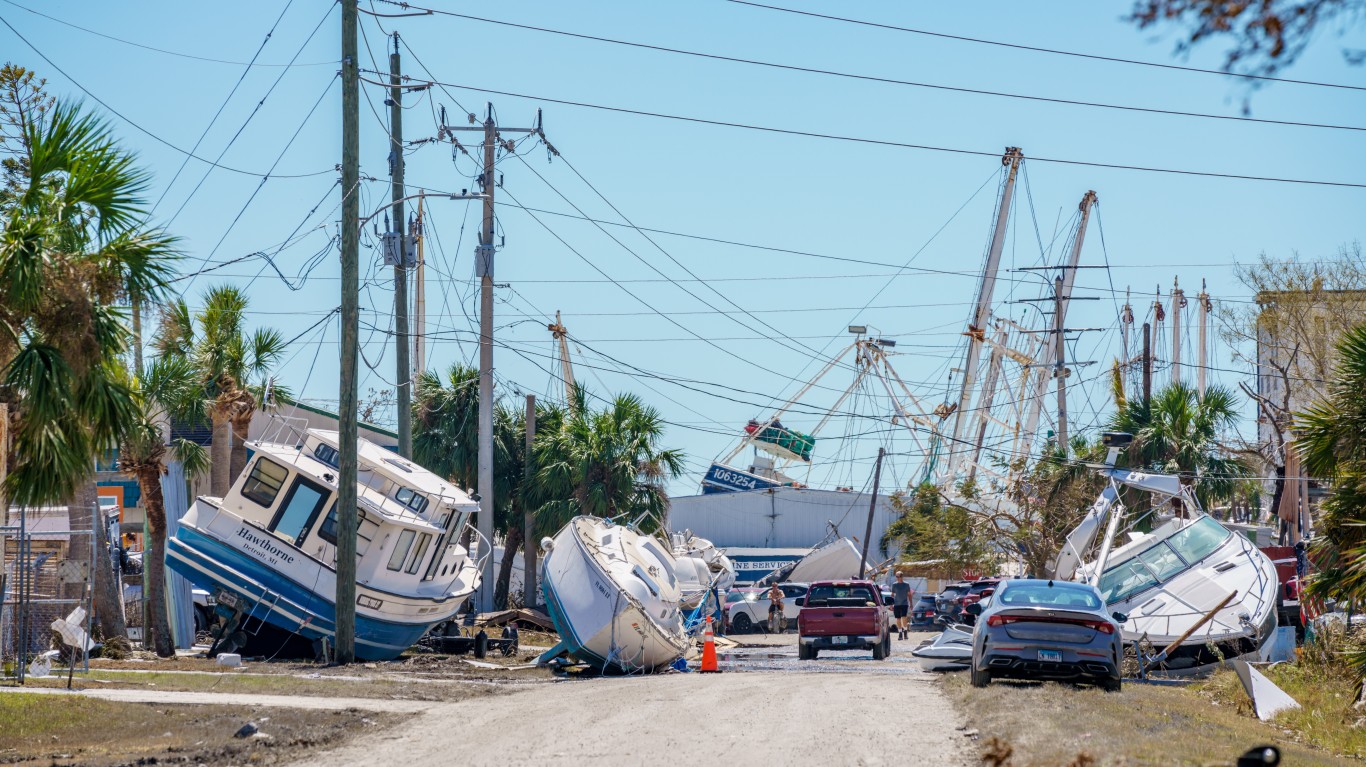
[1163, 560]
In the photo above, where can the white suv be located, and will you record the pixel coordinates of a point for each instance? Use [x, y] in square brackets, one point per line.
[750, 611]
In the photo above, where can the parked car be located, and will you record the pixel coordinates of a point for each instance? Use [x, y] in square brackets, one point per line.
[923, 612]
[1037, 629]
[946, 602]
[750, 612]
[844, 615]
[976, 591]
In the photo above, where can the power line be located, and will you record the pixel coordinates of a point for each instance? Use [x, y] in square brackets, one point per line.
[873, 141]
[886, 80]
[97, 33]
[1038, 49]
[139, 127]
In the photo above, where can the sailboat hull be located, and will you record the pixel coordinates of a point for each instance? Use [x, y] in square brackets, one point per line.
[606, 615]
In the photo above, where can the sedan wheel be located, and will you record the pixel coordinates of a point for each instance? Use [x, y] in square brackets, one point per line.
[741, 624]
[980, 678]
[1113, 684]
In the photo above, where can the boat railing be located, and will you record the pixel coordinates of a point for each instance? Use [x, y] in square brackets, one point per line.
[284, 430]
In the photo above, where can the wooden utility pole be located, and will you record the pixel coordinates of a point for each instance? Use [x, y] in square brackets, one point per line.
[420, 301]
[403, 381]
[4, 469]
[1060, 361]
[1178, 302]
[1147, 362]
[345, 651]
[529, 542]
[872, 507]
[1202, 361]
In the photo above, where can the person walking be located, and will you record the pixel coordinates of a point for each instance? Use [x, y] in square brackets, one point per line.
[901, 605]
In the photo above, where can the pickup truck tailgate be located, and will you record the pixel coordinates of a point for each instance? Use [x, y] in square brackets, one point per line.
[837, 621]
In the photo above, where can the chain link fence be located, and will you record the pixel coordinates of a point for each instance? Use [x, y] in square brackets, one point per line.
[42, 586]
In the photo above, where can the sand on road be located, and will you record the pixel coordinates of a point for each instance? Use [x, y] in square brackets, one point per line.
[792, 717]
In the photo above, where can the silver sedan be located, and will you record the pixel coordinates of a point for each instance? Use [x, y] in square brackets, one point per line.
[1038, 629]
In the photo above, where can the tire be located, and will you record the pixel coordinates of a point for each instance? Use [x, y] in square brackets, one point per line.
[880, 650]
[741, 623]
[1112, 684]
[803, 652]
[980, 678]
[887, 646]
[813, 653]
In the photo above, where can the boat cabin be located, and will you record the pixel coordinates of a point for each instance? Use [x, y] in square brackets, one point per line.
[409, 520]
[1152, 559]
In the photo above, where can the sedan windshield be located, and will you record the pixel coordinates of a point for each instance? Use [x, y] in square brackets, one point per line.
[1044, 595]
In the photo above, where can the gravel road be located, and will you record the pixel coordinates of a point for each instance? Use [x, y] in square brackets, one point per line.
[848, 709]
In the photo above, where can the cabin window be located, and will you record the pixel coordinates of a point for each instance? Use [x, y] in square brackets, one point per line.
[1199, 540]
[299, 510]
[264, 482]
[328, 455]
[400, 552]
[421, 552]
[328, 529]
[1162, 561]
[1124, 580]
[411, 498]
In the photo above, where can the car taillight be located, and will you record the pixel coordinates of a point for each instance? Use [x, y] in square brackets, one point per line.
[1292, 589]
[1104, 627]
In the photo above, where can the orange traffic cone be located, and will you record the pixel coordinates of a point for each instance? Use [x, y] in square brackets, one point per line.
[709, 650]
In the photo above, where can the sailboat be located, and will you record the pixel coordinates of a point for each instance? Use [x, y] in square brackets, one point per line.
[1189, 574]
[267, 550]
[614, 597]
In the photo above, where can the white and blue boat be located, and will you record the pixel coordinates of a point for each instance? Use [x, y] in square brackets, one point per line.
[267, 550]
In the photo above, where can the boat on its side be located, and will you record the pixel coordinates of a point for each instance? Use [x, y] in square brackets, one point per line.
[701, 568]
[614, 597]
[267, 550]
[839, 559]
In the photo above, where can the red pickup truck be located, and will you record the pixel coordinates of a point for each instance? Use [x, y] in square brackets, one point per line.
[843, 615]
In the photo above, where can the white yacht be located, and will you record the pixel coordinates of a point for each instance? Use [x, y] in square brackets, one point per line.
[267, 550]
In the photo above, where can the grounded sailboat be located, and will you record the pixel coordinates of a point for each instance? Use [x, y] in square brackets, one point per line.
[614, 597]
[267, 549]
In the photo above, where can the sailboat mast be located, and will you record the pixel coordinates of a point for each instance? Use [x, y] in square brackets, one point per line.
[976, 331]
[1178, 301]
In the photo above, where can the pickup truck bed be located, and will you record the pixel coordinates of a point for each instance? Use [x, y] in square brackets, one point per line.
[843, 615]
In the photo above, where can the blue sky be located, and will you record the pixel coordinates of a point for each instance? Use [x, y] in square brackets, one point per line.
[873, 203]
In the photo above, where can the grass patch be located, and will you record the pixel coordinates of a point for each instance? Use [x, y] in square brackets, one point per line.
[1325, 686]
[1033, 725]
[267, 684]
[73, 730]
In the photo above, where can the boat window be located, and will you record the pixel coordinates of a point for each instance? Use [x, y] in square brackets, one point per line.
[421, 552]
[411, 498]
[328, 455]
[264, 482]
[400, 552]
[1162, 561]
[1123, 580]
[299, 509]
[1199, 540]
[328, 529]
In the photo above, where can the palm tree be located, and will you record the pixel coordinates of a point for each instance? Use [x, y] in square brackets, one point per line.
[233, 367]
[166, 389]
[72, 250]
[445, 441]
[1332, 444]
[1178, 432]
[606, 463]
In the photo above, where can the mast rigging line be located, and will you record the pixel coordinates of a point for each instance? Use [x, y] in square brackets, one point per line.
[885, 80]
[1054, 51]
[139, 127]
[873, 141]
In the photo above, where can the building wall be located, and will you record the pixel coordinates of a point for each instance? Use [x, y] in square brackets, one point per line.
[784, 517]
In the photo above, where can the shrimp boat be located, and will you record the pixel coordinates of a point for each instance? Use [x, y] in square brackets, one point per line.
[1167, 582]
[267, 549]
[614, 597]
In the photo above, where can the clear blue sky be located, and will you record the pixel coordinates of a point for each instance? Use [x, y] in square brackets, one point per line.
[881, 204]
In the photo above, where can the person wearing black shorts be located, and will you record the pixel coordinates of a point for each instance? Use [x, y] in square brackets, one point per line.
[901, 605]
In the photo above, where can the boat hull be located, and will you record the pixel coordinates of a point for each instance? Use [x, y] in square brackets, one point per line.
[292, 596]
[601, 620]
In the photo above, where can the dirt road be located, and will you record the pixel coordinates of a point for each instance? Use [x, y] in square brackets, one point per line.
[766, 707]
